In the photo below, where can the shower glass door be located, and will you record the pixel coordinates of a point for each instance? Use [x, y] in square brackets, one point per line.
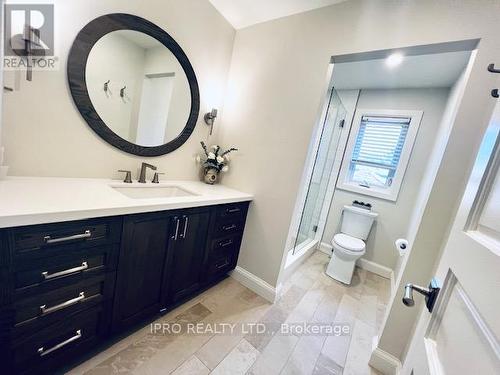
[321, 174]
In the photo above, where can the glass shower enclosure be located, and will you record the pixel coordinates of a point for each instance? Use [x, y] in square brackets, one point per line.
[321, 180]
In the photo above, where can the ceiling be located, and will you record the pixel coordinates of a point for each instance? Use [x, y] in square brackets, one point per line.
[140, 39]
[243, 13]
[431, 70]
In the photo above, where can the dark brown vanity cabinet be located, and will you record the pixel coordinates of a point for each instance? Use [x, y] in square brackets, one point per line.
[186, 253]
[64, 285]
[160, 262]
[140, 282]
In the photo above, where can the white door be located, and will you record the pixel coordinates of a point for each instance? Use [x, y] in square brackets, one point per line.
[461, 336]
[153, 112]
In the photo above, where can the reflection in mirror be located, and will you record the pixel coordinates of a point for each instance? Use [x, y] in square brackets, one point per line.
[138, 88]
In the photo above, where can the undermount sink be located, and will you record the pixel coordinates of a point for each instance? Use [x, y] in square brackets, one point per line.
[144, 192]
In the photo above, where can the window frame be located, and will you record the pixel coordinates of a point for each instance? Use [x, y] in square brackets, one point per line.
[391, 192]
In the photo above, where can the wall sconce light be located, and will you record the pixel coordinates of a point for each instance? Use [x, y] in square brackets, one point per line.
[210, 118]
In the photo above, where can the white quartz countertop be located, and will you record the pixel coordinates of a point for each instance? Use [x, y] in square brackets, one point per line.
[38, 200]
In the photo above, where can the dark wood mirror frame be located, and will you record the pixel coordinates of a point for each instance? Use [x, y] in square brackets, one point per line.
[77, 63]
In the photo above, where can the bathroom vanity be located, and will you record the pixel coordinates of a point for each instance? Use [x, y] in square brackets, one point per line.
[83, 260]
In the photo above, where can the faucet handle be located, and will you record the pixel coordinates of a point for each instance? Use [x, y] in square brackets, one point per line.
[128, 176]
[156, 179]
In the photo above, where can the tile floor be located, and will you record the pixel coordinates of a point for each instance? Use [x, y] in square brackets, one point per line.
[308, 297]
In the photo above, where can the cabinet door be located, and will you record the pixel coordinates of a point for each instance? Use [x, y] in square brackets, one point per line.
[187, 253]
[141, 266]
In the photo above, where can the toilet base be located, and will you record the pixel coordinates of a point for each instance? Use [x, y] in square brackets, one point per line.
[341, 269]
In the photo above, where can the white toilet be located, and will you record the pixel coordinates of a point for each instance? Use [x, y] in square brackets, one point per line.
[349, 244]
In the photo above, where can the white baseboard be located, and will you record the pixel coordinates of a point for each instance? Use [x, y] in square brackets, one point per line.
[365, 264]
[376, 268]
[384, 362]
[254, 283]
[325, 248]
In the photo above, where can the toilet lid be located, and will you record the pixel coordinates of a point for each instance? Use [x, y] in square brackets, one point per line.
[348, 242]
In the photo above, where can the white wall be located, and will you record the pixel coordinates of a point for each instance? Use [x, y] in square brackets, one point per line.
[161, 60]
[276, 86]
[394, 217]
[435, 156]
[1, 68]
[120, 61]
[44, 133]
[276, 82]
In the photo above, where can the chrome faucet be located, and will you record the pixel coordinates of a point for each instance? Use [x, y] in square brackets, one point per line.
[142, 175]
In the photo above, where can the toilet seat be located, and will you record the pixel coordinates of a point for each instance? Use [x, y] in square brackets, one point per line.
[352, 244]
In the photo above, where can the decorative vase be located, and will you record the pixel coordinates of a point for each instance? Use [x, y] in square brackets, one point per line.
[211, 176]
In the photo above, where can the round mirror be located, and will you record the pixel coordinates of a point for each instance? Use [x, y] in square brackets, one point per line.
[133, 84]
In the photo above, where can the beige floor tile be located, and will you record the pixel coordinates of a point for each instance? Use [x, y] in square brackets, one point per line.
[275, 355]
[193, 366]
[337, 347]
[214, 351]
[326, 366]
[360, 349]
[367, 311]
[308, 296]
[172, 356]
[238, 361]
[303, 358]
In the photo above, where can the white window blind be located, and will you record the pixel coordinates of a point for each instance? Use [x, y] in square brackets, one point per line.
[377, 151]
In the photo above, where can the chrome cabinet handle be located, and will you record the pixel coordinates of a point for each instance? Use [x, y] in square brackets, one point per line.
[42, 352]
[176, 229]
[86, 234]
[232, 210]
[186, 221]
[232, 226]
[47, 310]
[227, 243]
[47, 276]
[226, 263]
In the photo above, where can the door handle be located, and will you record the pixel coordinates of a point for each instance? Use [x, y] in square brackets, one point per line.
[430, 294]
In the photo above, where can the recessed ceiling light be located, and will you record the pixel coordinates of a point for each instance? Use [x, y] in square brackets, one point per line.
[394, 59]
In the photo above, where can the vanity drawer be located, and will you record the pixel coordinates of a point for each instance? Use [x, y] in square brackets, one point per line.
[47, 240]
[41, 310]
[234, 212]
[229, 227]
[218, 266]
[56, 344]
[41, 275]
[224, 245]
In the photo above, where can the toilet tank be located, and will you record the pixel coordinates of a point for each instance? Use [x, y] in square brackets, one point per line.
[357, 222]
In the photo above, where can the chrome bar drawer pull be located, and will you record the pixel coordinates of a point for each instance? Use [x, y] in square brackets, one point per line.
[50, 240]
[226, 263]
[186, 221]
[227, 243]
[47, 310]
[44, 352]
[47, 276]
[232, 210]
[229, 227]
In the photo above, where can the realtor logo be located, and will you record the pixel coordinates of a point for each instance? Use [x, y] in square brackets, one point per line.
[29, 36]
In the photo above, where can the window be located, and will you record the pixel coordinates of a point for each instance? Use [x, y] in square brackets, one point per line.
[378, 151]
